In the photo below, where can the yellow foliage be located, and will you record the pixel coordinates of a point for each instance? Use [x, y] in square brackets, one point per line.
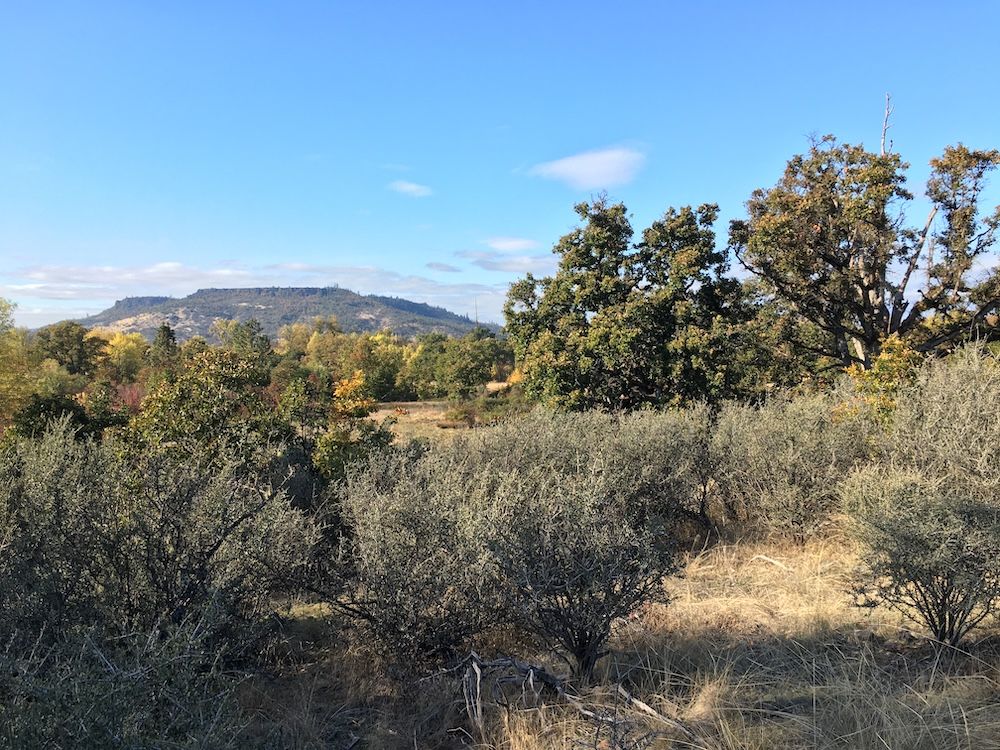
[351, 399]
[126, 353]
[895, 366]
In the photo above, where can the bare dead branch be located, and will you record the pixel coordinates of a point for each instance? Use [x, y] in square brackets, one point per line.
[885, 123]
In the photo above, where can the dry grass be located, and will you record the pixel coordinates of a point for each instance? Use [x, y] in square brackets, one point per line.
[760, 648]
[416, 419]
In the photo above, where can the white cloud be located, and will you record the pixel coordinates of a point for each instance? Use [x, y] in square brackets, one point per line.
[412, 189]
[519, 264]
[511, 244]
[443, 267]
[591, 170]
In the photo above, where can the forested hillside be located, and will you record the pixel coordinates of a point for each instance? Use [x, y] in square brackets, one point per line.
[275, 307]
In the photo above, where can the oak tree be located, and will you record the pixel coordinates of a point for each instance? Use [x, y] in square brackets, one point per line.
[830, 241]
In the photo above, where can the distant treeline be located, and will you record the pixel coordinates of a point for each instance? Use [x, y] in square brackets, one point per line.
[103, 379]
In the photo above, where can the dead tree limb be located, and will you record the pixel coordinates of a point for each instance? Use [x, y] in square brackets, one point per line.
[885, 123]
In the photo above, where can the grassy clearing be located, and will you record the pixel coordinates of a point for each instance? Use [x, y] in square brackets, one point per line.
[416, 419]
[760, 648]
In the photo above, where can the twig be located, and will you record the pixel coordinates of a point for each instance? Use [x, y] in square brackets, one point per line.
[772, 561]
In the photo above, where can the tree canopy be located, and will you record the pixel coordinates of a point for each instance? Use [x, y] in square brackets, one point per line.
[622, 324]
[830, 240]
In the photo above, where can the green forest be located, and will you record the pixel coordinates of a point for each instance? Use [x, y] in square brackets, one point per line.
[708, 487]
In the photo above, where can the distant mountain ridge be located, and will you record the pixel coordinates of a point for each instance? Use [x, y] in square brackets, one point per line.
[274, 307]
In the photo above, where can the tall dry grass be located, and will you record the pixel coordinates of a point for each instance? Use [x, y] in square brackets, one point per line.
[761, 647]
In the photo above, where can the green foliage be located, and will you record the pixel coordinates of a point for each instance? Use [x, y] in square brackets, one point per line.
[216, 390]
[778, 466]
[928, 514]
[6, 315]
[622, 325]
[422, 374]
[456, 368]
[40, 412]
[895, 366]
[350, 436]
[247, 337]
[163, 352]
[15, 365]
[827, 241]
[69, 344]
[470, 362]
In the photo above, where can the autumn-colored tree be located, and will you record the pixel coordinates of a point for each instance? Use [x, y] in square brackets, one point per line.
[351, 434]
[15, 366]
[125, 354]
[422, 373]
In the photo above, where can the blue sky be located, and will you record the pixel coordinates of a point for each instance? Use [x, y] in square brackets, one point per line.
[429, 150]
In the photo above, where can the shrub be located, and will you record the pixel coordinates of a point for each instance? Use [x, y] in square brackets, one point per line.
[948, 420]
[151, 691]
[656, 462]
[555, 522]
[666, 457]
[778, 465]
[929, 549]
[575, 558]
[95, 535]
[929, 524]
[425, 583]
[126, 579]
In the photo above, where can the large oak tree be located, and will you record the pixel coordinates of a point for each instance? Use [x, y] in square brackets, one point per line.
[829, 240]
[622, 324]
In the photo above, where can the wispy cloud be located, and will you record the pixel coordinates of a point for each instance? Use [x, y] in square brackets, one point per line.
[511, 244]
[590, 170]
[500, 261]
[412, 189]
[443, 267]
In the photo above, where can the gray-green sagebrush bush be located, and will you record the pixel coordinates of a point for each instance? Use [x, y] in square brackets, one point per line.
[656, 462]
[576, 558]
[928, 516]
[425, 583]
[778, 465]
[140, 691]
[96, 535]
[130, 576]
[931, 550]
[551, 523]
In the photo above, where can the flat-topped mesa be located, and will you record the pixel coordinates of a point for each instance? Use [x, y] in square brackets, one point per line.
[275, 307]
